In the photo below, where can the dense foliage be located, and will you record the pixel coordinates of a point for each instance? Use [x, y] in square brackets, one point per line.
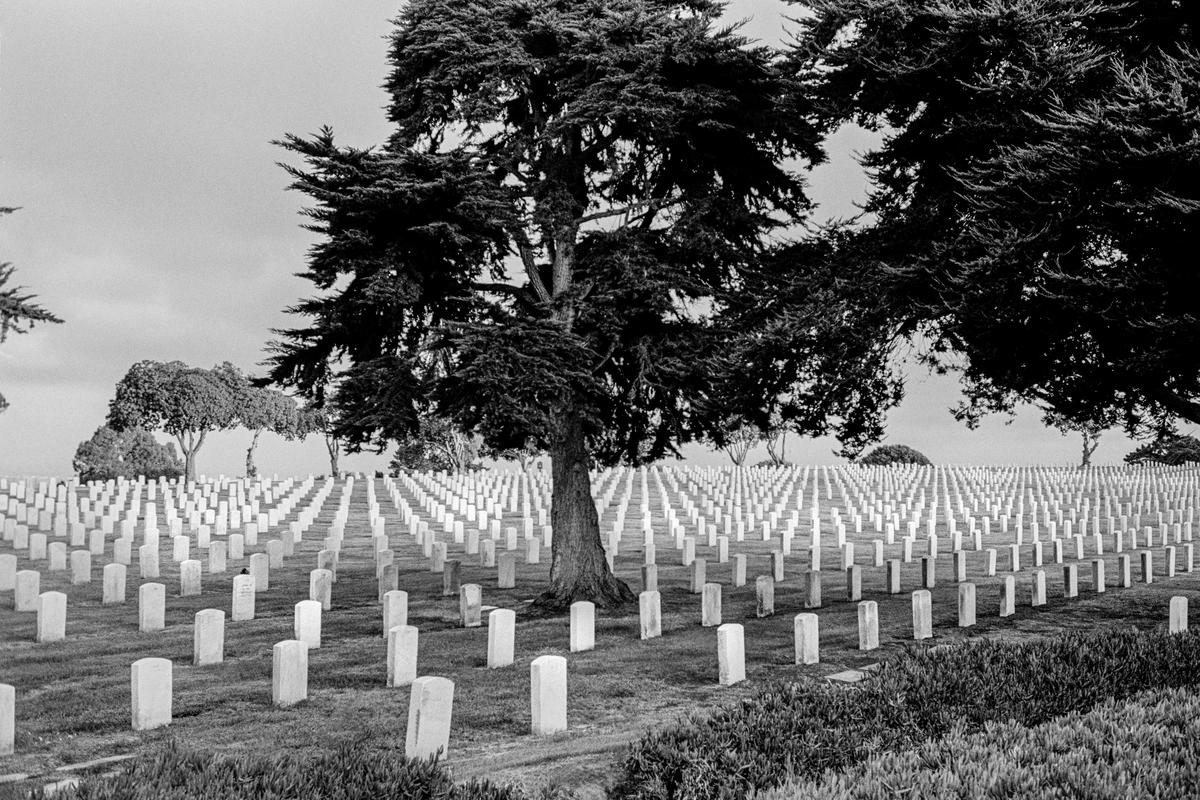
[802, 729]
[127, 454]
[18, 312]
[893, 454]
[570, 193]
[185, 402]
[436, 445]
[264, 409]
[1037, 182]
[351, 773]
[1171, 449]
[1148, 746]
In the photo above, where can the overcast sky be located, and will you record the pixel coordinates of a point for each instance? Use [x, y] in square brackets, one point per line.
[135, 136]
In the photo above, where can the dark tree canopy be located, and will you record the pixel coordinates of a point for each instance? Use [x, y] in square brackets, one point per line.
[542, 248]
[18, 312]
[126, 454]
[1036, 196]
[1171, 448]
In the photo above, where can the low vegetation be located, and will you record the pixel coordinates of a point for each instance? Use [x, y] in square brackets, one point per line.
[888, 454]
[924, 695]
[351, 773]
[1148, 746]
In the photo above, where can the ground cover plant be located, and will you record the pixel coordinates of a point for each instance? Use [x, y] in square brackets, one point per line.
[350, 773]
[919, 696]
[1146, 746]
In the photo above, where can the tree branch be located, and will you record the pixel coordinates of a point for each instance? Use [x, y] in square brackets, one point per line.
[530, 261]
[646, 205]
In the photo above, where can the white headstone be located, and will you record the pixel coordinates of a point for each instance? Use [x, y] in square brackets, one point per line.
[1178, 622]
[243, 598]
[208, 637]
[731, 654]
[470, 601]
[710, 605]
[548, 695]
[8, 719]
[429, 708]
[650, 614]
[8, 572]
[501, 637]
[260, 569]
[189, 578]
[807, 638]
[152, 607]
[52, 617]
[395, 610]
[868, 625]
[114, 584]
[320, 587]
[401, 655]
[217, 552]
[81, 567]
[966, 605]
[150, 680]
[307, 623]
[922, 614]
[289, 672]
[26, 591]
[148, 560]
[583, 626]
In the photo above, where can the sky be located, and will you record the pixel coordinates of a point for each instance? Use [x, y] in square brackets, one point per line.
[135, 136]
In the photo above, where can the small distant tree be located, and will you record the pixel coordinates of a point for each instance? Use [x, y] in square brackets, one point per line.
[315, 419]
[1089, 432]
[437, 445]
[185, 402]
[776, 441]
[265, 409]
[1168, 448]
[888, 454]
[738, 443]
[18, 313]
[127, 454]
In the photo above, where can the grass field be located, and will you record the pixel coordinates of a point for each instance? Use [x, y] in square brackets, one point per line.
[73, 697]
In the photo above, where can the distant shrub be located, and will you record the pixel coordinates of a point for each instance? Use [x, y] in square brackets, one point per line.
[109, 455]
[172, 772]
[1172, 450]
[800, 730]
[888, 454]
[1148, 746]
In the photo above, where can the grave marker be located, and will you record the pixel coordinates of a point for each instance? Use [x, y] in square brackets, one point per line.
[548, 695]
[150, 681]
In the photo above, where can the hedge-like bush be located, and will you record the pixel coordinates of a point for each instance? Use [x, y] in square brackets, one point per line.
[802, 729]
[888, 454]
[127, 454]
[172, 772]
[1172, 450]
[1148, 746]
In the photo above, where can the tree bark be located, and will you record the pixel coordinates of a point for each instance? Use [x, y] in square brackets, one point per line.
[578, 569]
[188, 449]
[251, 470]
[335, 448]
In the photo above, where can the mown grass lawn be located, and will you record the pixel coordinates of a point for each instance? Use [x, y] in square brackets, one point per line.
[73, 697]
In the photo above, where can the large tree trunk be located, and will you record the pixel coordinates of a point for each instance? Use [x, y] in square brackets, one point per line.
[578, 569]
